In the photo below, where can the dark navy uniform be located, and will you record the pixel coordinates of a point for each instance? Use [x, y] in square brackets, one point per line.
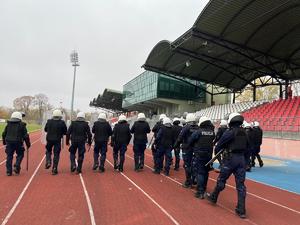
[164, 141]
[257, 141]
[201, 142]
[13, 136]
[79, 132]
[140, 129]
[219, 134]
[102, 131]
[120, 139]
[155, 130]
[235, 143]
[177, 129]
[248, 154]
[187, 153]
[56, 129]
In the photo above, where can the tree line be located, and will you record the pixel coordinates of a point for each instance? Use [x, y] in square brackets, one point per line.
[33, 106]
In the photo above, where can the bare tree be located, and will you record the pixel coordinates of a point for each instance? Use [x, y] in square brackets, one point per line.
[23, 103]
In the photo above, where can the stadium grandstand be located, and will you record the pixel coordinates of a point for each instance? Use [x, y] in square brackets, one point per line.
[110, 100]
[218, 112]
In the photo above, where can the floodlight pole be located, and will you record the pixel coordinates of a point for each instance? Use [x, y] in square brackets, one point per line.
[74, 60]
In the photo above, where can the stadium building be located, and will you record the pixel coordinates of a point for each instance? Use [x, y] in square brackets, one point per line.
[156, 93]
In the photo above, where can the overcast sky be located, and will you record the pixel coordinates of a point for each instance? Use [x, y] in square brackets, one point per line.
[113, 38]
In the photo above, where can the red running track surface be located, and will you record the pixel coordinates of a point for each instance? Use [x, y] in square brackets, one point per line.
[130, 197]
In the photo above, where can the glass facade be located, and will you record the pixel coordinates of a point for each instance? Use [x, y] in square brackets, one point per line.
[172, 88]
[150, 85]
[140, 89]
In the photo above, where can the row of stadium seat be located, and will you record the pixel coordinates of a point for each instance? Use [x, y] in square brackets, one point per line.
[218, 112]
[279, 115]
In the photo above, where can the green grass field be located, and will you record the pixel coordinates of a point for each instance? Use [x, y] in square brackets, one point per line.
[30, 128]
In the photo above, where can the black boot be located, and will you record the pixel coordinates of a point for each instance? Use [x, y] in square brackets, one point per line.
[213, 197]
[199, 195]
[17, 169]
[101, 169]
[8, 174]
[121, 167]
[187, 184]
[95, 166]
[261, 163]
[48, 165]
[54, 171]
[73, 167]
[156, 171]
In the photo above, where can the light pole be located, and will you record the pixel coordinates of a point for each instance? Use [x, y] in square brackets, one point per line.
[75, 63]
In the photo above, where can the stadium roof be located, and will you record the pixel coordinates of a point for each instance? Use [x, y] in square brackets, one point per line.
[234, 42]
[110, 99]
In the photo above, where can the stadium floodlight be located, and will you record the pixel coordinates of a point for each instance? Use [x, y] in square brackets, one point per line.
[75, 63]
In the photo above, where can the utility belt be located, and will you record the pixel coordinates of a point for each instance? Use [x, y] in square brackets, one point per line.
[228, 153]
[201, 154]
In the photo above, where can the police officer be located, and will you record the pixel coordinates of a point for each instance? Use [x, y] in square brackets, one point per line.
[102, 131]
[120, 139]
[257, 141]
[176, 129]
[164, 141]
[235, 143]
[79, 132]
[155, 130]
[187, 153]
[56, 129]
[201, 142]
[140, 129]
[250, 136]
[13, 136]
[223, 127]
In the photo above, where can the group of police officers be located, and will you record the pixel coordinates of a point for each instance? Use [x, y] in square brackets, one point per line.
[237, 140]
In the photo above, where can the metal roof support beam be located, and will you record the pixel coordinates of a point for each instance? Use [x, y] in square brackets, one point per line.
[223, 61]
[225, 44]
[211, 63]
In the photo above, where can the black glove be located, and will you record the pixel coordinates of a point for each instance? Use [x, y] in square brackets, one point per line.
[4, 142]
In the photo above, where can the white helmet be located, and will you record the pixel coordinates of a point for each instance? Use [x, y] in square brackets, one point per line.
[162, 116]
[167, 120]
[102, 116]
[203, 119]
[246, 124]
[176, 119]
[16, 115]
[256, 124]
[56, 113]
[141, 116]
[235, 117]
[122, 118]
[81, 115]
[223, 123]
[190, 117]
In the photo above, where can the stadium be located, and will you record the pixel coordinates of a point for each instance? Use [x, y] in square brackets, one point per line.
[234, 49]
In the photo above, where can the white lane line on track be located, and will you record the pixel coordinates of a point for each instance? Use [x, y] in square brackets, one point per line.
[177, 182]
[88, 200]
[1, 163]
[149, 197]
[254, 195]
[22, 194]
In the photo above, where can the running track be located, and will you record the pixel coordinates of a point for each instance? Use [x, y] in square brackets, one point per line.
[36, 197]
